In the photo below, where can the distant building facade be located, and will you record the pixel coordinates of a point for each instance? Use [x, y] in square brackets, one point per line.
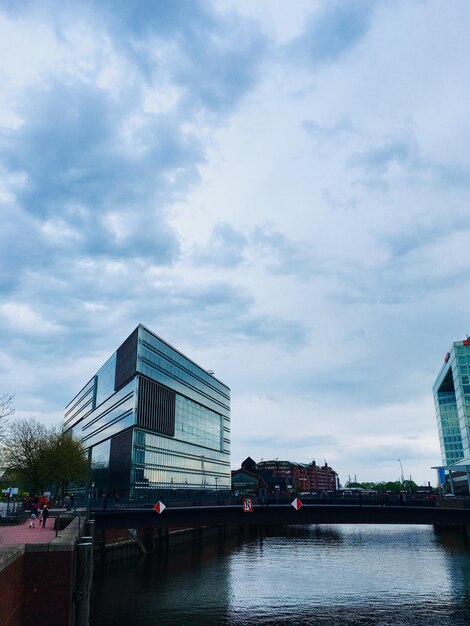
[153, 420]
[451, 392]
[283, 477]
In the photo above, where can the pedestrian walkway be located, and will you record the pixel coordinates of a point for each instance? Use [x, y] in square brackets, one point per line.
[22, 533]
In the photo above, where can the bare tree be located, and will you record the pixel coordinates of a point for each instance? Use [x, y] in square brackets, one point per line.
[22, 453]
[6, 409]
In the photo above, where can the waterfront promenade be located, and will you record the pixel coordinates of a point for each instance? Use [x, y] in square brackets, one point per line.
[23, 534]
[38, 564]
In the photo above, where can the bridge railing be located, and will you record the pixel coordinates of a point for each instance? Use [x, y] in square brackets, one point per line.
[183, 499]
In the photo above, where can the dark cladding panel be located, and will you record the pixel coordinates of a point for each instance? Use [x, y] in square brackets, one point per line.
[156, 407]
[126, 360]
[448, 383]
[120, 464]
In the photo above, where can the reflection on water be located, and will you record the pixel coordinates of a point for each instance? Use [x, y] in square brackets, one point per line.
[325, 575]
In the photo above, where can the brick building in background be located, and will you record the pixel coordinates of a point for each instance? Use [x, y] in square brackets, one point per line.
[283, 477]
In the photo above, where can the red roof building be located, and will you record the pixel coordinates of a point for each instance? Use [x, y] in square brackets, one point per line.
[295, 476]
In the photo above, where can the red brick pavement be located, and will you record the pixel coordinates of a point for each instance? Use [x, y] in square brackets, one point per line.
[22, 533]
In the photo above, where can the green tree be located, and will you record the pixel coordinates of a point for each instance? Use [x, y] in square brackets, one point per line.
[65, 460]
[410, 485]
[369, 485]
[393, 485]
[38, 457]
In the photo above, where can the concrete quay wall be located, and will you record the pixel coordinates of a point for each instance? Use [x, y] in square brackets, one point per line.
[118, 544]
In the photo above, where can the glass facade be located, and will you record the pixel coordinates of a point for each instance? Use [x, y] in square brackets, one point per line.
[452, 402]
[176, 416]
[162, 363]
[105, 380]
[99, 474]
[162, 463]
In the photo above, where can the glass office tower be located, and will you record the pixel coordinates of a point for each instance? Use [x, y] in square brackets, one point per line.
[452, 401]
[154, 422]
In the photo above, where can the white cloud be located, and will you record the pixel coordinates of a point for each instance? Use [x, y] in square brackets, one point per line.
[289, 209]
[21, 318]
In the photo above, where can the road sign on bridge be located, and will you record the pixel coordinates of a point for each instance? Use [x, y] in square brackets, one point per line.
[296, 504]
[247, 505]
[159, 507]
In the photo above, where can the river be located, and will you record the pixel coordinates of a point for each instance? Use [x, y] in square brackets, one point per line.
[322, 575]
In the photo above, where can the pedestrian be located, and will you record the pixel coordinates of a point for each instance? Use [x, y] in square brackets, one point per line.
[116, 501]
[67, 502]
[33, 519]
[45, 515]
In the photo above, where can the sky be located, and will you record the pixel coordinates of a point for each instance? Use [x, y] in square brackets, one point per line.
[279, 189]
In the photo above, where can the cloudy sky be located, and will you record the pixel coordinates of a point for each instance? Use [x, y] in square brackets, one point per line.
[279, 189]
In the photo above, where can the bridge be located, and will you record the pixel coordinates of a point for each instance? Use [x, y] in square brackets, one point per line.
[281, 514]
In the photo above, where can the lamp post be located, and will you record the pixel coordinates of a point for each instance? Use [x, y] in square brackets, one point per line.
[402, 477]
[216, 480]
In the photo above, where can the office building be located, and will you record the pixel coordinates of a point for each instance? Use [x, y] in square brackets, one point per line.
[452, 402]
[154, 422]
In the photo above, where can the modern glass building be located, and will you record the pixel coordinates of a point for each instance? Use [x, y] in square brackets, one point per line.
[153, 421]
[452, 401]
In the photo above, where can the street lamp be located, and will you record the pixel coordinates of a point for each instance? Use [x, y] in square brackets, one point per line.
[402, 477]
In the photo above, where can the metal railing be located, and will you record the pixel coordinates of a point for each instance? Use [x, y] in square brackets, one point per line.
[13, 512]
[227, 499]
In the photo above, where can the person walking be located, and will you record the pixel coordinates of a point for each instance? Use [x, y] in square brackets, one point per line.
[33, 519]
[45, 515]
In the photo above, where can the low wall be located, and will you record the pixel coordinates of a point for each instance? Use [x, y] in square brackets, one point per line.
[454, 503]
[11, 584]
[37, 581]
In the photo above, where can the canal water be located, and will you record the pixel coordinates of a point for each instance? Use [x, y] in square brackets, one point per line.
[321, 575]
